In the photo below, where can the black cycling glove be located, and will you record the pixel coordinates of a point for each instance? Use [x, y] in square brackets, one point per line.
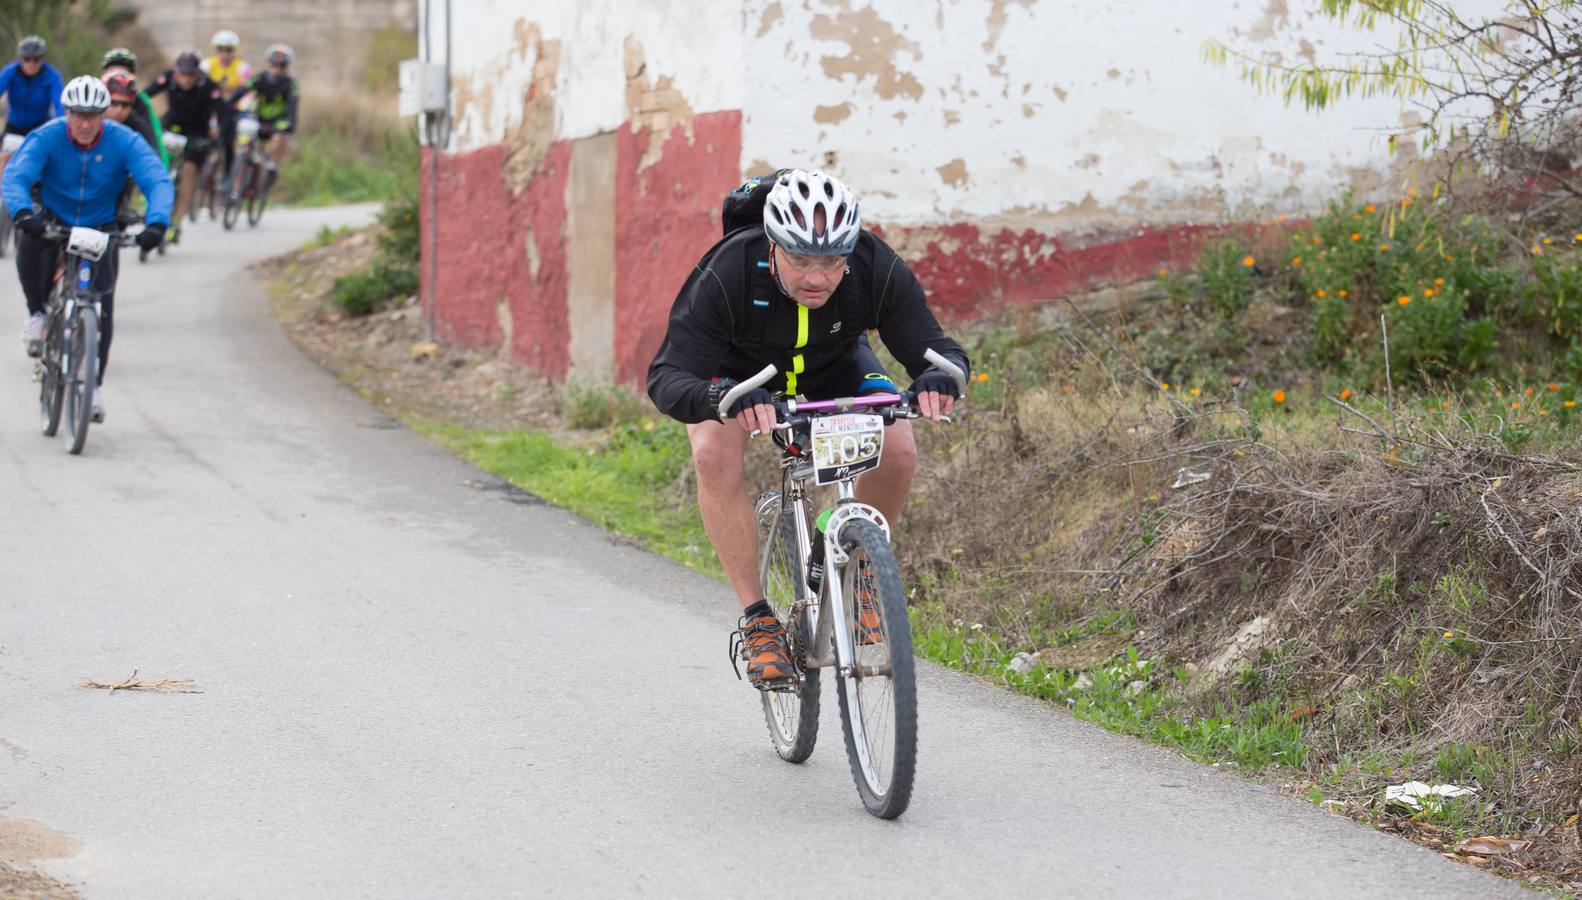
[718, 390]
[151, 235]
[936, 380]
[754, 397]
[30, 224]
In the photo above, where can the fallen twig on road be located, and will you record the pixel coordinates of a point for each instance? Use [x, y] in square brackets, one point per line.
[133, 683]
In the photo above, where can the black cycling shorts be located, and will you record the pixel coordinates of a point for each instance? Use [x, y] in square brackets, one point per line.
[861, 373]
[17, 129]
[196, 150]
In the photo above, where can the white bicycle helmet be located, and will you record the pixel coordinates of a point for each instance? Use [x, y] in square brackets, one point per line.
[85, 93]
[227, 39]
[794, 201]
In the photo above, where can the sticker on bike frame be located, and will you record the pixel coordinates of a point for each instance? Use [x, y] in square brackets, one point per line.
[845, 445]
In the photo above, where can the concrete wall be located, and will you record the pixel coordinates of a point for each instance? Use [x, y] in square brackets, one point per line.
[329, 36]
[1012, 150]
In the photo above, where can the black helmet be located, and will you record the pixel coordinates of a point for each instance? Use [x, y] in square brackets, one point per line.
[119, 56]
[281, 55]
[187, 62]
[31, 46]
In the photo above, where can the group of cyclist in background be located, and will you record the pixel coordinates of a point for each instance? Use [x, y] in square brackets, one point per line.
[84, 150]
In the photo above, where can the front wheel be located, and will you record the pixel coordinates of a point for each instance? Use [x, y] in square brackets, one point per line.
[792, 716]
[234, 187]
[82, 373]
[878, 694]
[260, 198]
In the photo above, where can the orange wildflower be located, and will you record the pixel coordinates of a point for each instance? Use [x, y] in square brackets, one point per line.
[1344, 293]
[1248, 261]
[1356, 235]
[983, 376]
[1552, 386]
[1296, 260]
[1403, 299]
[1194, 392]
[1570, 403]
[1368, 208]
[1529, 392]
[1279, 396]
[1439, 282]
[1384, 248]
[1321, 295]
[1345, 393]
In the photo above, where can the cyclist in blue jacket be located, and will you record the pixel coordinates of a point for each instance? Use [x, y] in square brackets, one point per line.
[80, 164]
[32, 89]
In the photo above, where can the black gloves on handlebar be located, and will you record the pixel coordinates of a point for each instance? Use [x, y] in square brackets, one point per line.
[30, 224]
[936, 380]
[151, 235]
[718, 390]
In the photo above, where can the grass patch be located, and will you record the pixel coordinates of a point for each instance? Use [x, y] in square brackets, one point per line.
[630, 480]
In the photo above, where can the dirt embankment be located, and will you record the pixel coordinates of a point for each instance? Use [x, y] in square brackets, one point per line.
[389, 356]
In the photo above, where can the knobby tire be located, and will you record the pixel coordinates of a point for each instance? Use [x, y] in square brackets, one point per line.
[82, 377]
[52, 385]
[792, 717]
[883, 709]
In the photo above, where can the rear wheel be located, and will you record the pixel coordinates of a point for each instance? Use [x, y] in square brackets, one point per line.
[82, 373]
[878, 695]
[51, 386]
[792, 716]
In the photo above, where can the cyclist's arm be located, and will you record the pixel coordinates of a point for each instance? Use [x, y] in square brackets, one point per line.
[242, 92]
[154, 181]
[6, 75]
[906, 325]
[57, 86]
[160, 85]
[21, 173]
[292, 96]
[696, 341]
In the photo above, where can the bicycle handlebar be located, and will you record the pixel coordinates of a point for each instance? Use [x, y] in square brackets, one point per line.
[55, 232]
[939, 360]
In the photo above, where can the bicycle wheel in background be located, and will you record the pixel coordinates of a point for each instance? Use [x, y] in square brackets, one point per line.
[235, 186]
[878, 698]
[51, 385]
[792, 716]
[81, 376]
[260, 198]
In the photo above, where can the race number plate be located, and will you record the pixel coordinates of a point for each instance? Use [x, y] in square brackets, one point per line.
[845, 445]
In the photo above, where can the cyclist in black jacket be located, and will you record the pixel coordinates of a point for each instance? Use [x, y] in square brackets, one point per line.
[195, 108]
[800, 293]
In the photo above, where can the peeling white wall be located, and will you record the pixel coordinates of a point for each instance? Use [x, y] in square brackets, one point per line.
[1051, 114]
[695, 42]
[1074, 113]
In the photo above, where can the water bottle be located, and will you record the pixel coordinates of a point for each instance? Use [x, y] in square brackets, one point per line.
[815, 565]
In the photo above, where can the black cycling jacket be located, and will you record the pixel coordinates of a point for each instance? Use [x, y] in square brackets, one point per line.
[731, 319]
[189, 110]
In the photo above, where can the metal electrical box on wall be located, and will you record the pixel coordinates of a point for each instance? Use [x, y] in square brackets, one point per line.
[423, 87]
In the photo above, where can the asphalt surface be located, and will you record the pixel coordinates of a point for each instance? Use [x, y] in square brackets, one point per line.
[416, 684]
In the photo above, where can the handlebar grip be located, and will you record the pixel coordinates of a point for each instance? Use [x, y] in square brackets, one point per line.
[941, 362]
[740, 390]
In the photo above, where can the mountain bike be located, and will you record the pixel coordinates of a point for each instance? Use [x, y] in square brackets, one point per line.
[208, 193]
[68, 368]
[8, 145]
[835, 585]
[248, 181]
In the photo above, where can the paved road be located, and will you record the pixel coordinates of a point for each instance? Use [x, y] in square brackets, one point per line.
[417, 686]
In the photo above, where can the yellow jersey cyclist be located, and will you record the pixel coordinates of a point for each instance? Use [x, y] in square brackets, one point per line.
[227, 69]
[277, 97]
[800, 292]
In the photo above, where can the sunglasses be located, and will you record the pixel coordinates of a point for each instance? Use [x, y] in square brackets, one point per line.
[121, 104]
[32, 59]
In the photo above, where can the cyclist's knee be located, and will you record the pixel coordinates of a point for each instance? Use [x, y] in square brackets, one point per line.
[717, 452]
[900, 449]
